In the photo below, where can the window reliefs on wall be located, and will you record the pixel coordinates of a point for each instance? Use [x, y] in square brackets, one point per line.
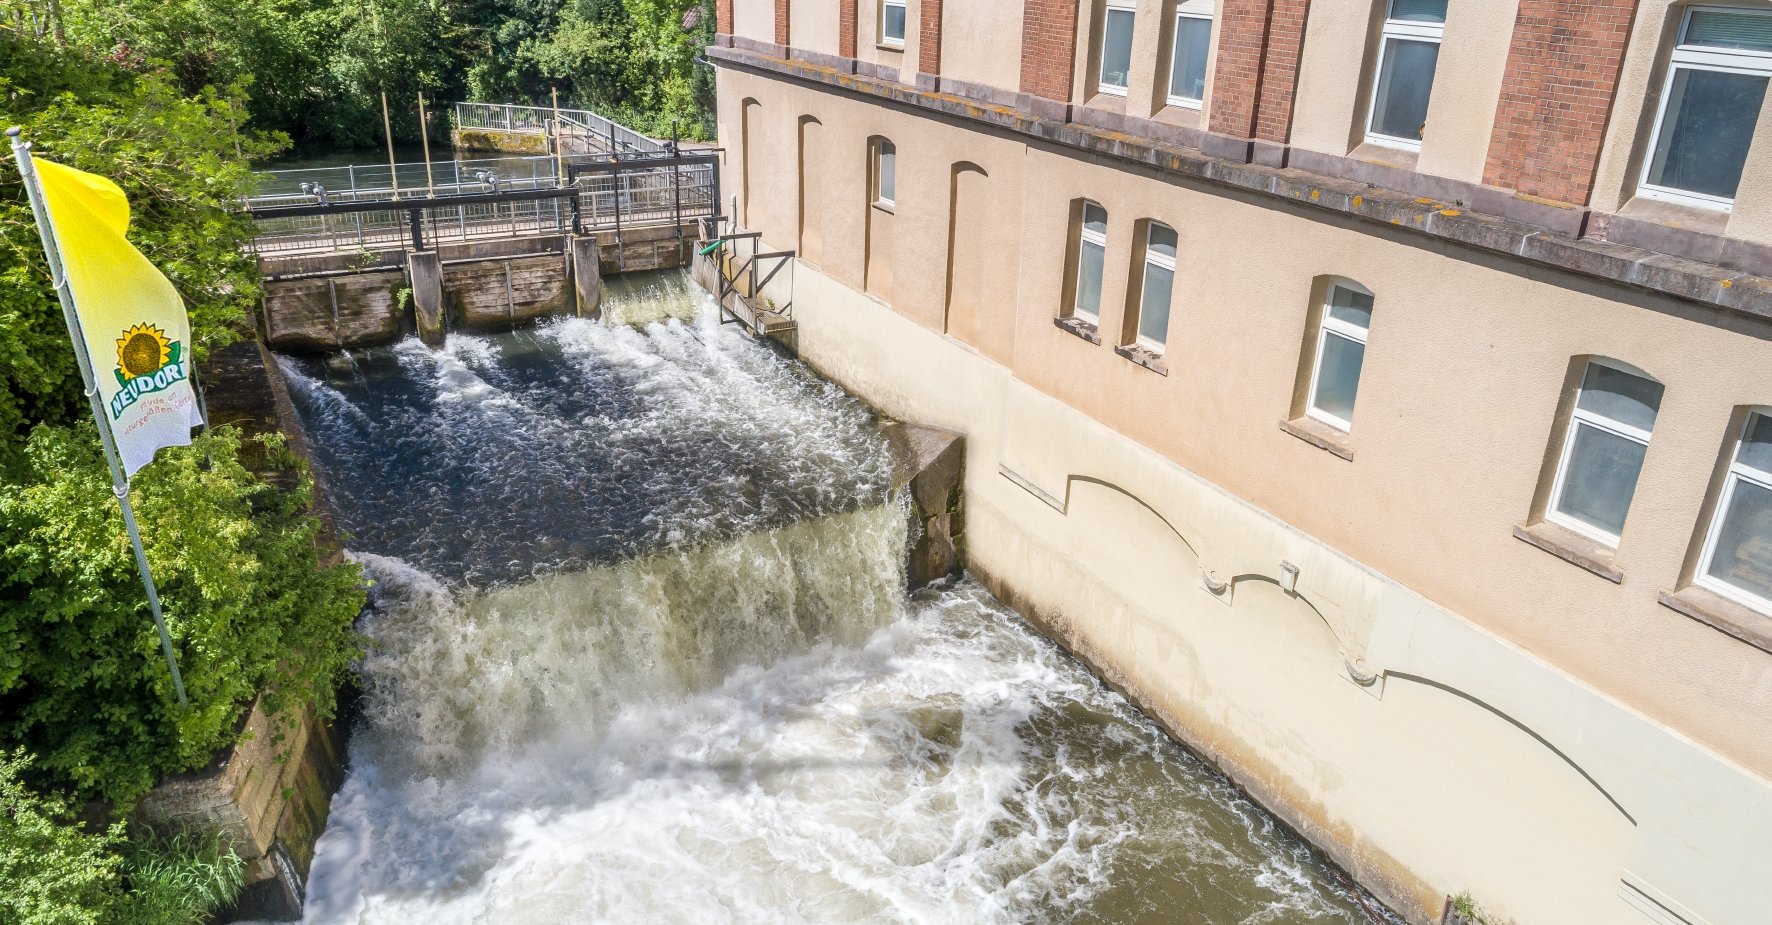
[1408, 54]
[1116, 47]
[892, 23]
[1716, 82]
[1189, 52]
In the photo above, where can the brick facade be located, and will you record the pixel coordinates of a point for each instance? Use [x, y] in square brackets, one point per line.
[846, 22]
[723, 17]
[1556, 96]
[929, 37]
[1048, 48]
[1260, 43]
[781, 22]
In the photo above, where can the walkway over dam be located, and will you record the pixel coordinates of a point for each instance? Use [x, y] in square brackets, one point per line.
[350, 263]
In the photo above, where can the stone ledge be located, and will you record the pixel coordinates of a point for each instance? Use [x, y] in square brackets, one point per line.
[1571, 547]
[1717, 611]
[1077, 327]
[1149, 359]
[1321, 436]
[1689, 280]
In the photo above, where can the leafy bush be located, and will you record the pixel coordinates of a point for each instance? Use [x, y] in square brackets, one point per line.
[82, 683]
[57, 873]
[54, 873]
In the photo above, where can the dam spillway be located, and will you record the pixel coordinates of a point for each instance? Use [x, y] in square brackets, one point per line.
[640, 651]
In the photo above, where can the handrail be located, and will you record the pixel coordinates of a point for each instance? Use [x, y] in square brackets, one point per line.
[506, 117]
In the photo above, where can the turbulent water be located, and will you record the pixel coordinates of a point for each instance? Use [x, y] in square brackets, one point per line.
[641, 654]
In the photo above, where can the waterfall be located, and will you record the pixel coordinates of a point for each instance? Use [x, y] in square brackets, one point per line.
[640, 652]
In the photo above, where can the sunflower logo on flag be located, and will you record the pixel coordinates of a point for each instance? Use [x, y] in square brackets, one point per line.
[147, 361]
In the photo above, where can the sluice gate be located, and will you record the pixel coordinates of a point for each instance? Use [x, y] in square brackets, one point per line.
[359, 271]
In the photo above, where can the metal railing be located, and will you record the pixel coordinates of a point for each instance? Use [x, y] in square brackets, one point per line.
[607, 194]
[357, 182]
[502, 117]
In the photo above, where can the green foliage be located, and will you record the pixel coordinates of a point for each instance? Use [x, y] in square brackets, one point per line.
[177, 159]
[180, 880]
[82, 683]
[316, 68]
[54, 872]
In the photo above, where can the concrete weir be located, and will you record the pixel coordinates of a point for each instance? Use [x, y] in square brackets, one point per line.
[315, 303]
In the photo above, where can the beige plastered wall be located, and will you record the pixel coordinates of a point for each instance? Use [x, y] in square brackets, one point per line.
[1536, 735]
[813, 26]
[754, 19]
[1337, 73]
[981, 43]
[1640, 85]
[870, 48]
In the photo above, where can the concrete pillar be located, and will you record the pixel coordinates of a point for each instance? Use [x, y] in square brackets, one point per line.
[587, 275]
[424, 273]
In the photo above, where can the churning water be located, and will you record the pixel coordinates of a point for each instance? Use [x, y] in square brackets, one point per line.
[642, 654]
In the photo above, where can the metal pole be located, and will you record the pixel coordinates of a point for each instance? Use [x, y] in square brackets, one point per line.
[424, 134]
[21, 151]
[388, 131]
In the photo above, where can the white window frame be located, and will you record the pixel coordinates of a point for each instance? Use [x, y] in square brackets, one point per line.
[1166, 263]
[1189, 9]
[1130, 8]
[886, 39]
[878, 151]
[1737, 473]
[1699, 58]
[1401, 30]
[1087, 237]
[1578, 417]
[1328, 327]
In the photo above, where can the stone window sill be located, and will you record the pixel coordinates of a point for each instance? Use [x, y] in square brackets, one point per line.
[1149, 359]
[1679, 215]
[886, 207]
[888, 46]
[1721, 613]
[1376, 153]
[1320, 435]
[1079, 328]
[1571, 547]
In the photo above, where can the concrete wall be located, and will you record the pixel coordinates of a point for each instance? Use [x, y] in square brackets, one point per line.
[1535, 734]
[813, 26]
[981, 43]
[754, 19]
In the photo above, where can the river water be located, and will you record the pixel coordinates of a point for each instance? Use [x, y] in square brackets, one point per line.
[641, 653]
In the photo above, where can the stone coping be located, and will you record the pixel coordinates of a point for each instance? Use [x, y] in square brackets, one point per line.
[1739, 294]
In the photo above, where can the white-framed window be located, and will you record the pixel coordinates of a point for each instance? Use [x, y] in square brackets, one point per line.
[1193, 46]
[1091, 262]
[1158, 287]
[1737, 557]
[1116, 47]
[1716, 82]
[1603, 451]
[1408, 53]
[1341, 351]
[885, 172]
[892, 22]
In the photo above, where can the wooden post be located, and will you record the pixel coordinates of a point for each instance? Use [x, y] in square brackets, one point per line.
[424, 134]
[388, 131]
[559, 142]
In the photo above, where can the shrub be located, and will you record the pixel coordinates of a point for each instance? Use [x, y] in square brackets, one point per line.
[250, 609]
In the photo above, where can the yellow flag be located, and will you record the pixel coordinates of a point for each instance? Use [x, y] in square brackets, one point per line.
[134, 324]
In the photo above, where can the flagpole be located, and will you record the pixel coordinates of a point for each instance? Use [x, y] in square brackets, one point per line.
[21, 151]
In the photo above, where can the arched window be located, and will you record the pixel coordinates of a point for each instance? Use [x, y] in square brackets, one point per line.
[1158, 287]
[884, 172]
[1736, 560]
[1603, 449]
[1344, 319]
[1091, 261]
